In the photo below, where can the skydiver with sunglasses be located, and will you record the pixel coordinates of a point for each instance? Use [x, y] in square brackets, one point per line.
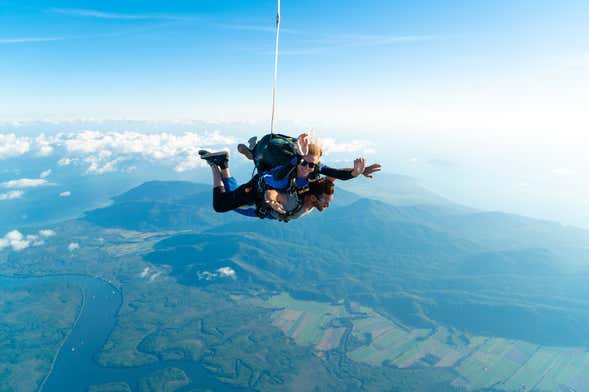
[305, 165]
[251, 200]
[289, 180]
[280, 190]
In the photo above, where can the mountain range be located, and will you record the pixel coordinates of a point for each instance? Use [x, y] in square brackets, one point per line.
[411, 255]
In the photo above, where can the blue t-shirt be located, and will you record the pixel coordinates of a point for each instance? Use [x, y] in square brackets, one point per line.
[282, 183]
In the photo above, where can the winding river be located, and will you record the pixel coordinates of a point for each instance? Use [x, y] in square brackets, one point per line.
[74, 367]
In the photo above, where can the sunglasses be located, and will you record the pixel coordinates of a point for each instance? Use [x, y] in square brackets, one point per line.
[310, 165]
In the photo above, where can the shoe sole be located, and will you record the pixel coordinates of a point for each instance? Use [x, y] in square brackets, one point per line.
[204, 154]
[242, 148]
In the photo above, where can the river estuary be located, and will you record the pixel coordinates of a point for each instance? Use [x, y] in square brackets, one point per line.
[75, 368]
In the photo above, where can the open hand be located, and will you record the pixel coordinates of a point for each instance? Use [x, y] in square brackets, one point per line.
[369, 170]
[303, 144]
[359, 165]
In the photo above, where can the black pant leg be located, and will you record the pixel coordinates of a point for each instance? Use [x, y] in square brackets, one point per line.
[226, 201]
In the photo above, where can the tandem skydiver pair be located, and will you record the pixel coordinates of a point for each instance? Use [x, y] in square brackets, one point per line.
[288, 182]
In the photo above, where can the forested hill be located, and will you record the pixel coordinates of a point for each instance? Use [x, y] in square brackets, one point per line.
[422, 264]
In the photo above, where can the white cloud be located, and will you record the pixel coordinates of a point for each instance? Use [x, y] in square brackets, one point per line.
[103, 152]
[154, 276]
[11, 195]
[73, 246]
[46, 173]
[191, 162]
[205, 275]
[226, 272]
[156, 146]
[98, 166]
[18, 241]
[223, 272]
[25, 183]
[47, 233]
[65, 194]
[43, 145]
[64, 162]
[19, 245]
[146, 271]
[45, 150]
[107, 146]
[11, 145]
[330, 145]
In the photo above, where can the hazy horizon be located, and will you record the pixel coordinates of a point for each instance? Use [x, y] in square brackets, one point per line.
[483, 103]
[482, 178]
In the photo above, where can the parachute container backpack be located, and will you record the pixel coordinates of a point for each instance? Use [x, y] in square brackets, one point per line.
[274, 150]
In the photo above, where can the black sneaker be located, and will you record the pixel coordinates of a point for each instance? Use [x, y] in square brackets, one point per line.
[252, 142]
[246, 152]
[219, 158]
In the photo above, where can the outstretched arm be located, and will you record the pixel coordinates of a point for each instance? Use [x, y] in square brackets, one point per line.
[361, 168]
[347, 174]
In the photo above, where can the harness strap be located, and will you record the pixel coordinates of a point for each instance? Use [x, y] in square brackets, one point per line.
[263, 209]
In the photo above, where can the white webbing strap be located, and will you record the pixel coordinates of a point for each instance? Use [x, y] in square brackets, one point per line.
[275, 69]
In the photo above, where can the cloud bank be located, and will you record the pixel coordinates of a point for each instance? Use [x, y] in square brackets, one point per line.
[24, 183]
[98, 152]
[18, 241]
[11, 195]
[11, 145]
[103, 152]
[330, 145]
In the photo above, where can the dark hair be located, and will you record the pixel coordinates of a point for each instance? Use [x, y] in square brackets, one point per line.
[321, 186]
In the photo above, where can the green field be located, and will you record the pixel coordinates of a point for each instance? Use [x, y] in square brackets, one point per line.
[480, 361]
[35, 322]
[249, 333]
[165, 380]
[307, 322]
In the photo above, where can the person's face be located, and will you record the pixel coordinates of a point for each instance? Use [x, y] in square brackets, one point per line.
[323, 201]
[307, 165]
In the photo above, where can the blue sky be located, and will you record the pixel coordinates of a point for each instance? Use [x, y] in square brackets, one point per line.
[212, 60]
[495, 90]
